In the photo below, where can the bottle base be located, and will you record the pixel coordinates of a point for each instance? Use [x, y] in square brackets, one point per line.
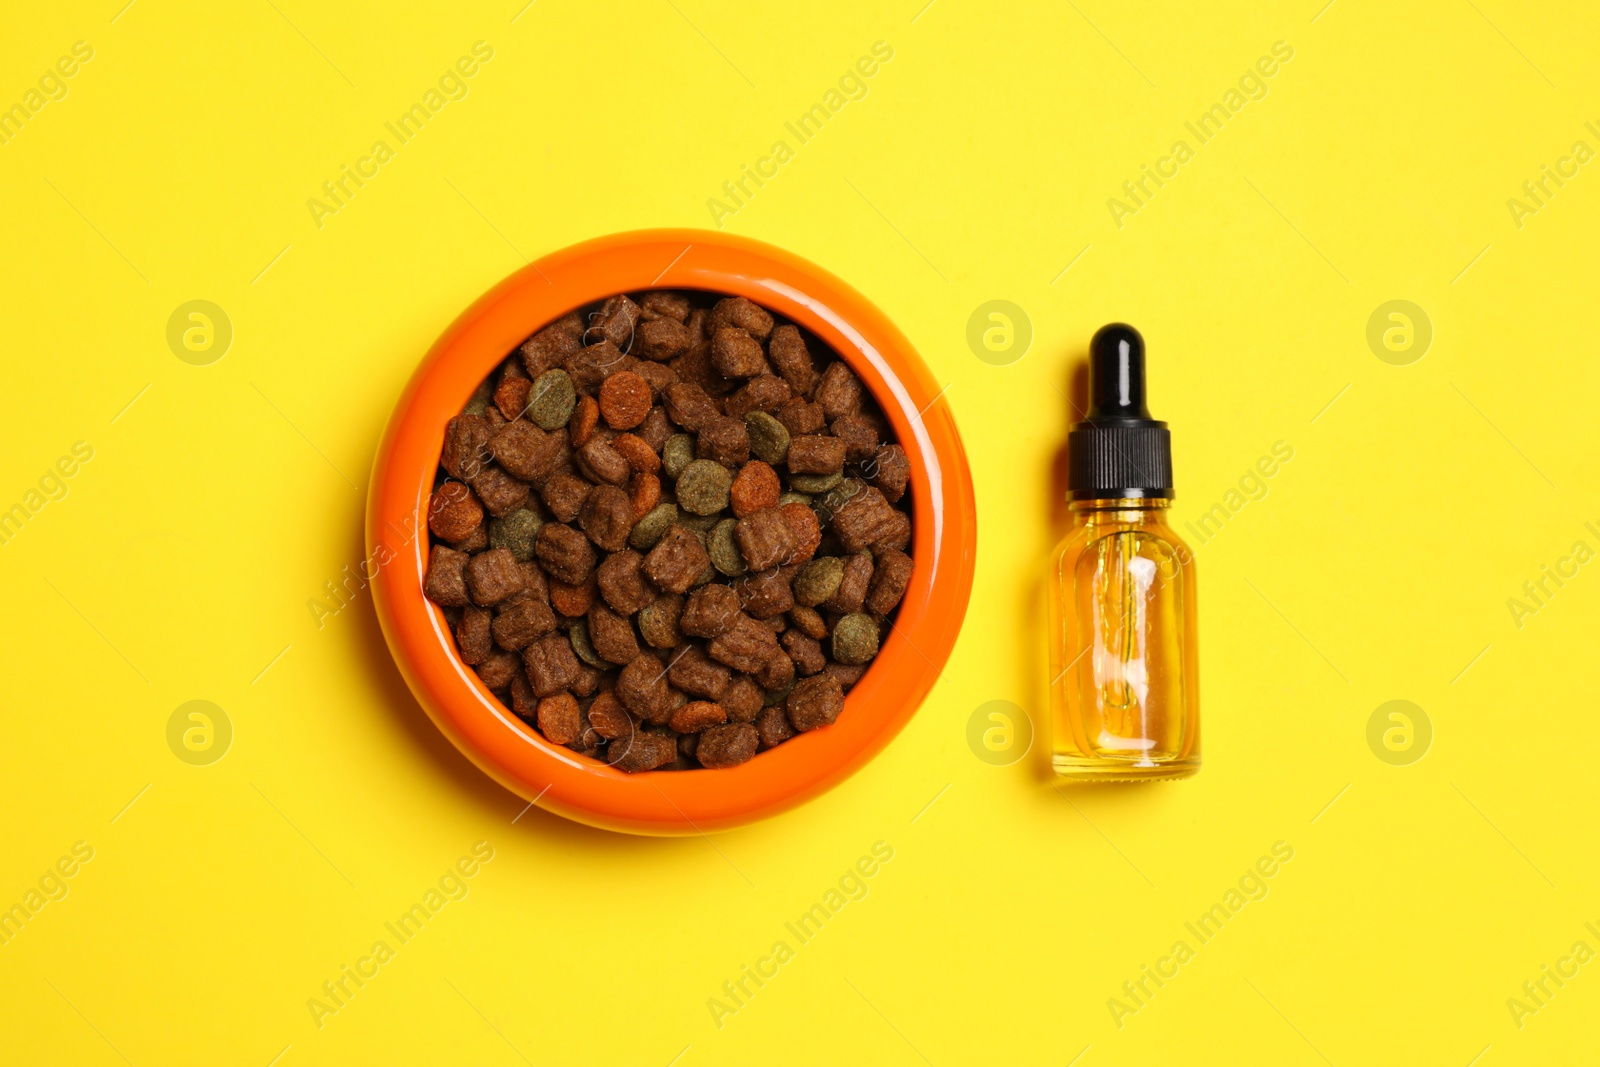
[1080, 769]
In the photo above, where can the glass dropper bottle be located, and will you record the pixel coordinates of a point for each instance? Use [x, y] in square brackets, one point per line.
[1124, 663]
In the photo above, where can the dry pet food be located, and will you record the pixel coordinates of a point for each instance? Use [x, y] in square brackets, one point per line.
[670, 531]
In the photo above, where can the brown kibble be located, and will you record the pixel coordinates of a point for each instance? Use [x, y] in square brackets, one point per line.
[640, 456]
[816, 454]
[603, 463]
[645, 492]
[688, 405]
[772, 726]
[898, 536]
[558, 718]
[792, 358]
[846, 675]
[454, 514]
[473, 639]
[808, 621]
[585, 417]
[723, 440]
[889, 581]
[493, 576]
[624, 400]
[466, 446]
[551, 346]
[642, 688]
[765, 539]
[551, 664]
[622, 584]
[572, 600]
[612, 635]
[498, 670]
[800, 417]
[806, 652]
[512, 396]
[614, 321]
[523, 703]
[644, 751]
[710, 611]
[501, 494]
[755, 487]
[587, 681]
[695, 716]
[656, 428]
[446, 583]
[807, 532]
[736, 354]
[476, 541]
[677, 561]
[608, 717]
[814, 702]
[863, 519]
[742, 699]
[749, 316]
[727, 746]
[853, 585]
[697, 674]
[746, 646]
[764, 392]
[859, 434]
[664, 304]
[565, 553]
[607, 517]
[777, 673]
[889, 470]
[564, 495]
[839, 391]
[525, 451]
[521, 623]
[661, 339]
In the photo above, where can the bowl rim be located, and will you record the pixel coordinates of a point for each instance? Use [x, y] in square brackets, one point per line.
[672, 802]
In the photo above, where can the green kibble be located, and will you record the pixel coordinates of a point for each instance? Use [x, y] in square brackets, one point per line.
[579, 636]
[648, 530]
[699, 525]
[815, 483]
[706, 577]
[769, 439]
[658, 622]
[552, 400]
[677, 454]
[794, 498]
[516, 532]
[818, 580]
[855, 639]
[703, 487]
[724, 551]
[769, 697]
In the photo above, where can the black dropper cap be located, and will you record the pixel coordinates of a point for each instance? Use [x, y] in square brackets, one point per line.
[1119, 451]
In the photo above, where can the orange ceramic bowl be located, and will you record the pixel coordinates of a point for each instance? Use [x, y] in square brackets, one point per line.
[672, 802]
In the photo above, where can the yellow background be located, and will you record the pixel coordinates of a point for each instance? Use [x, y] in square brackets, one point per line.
[1378, 567]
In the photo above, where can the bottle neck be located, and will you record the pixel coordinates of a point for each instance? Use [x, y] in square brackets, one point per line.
[1120, 510]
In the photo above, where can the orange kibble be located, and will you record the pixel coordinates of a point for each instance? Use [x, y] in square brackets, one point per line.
[640, 456]
[585, 417]
[624, 400]
[755, 487]
[806, 529]
[573, 601]
[512, 397]
[645, 493]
